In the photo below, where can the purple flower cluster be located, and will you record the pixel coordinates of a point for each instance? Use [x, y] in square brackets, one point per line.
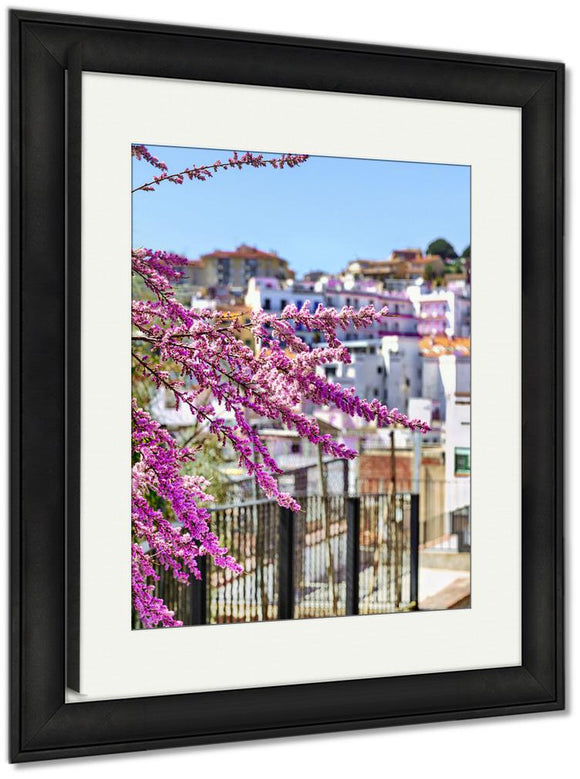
[175, 536]
[141, 152]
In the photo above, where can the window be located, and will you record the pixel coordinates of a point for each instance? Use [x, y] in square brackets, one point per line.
[283, 304]
[330, 371]
[250, 268]
[462, 461]
[267, 304]
[379, 368]
[223, 270]
[295, 448]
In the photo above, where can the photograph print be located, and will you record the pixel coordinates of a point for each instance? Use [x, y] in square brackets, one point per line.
[301, 386]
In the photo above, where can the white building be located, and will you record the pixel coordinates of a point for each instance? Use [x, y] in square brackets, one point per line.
[463, 314]
[387, 368]
[455, 376]
[432, 385]
[366, 371]
[270, 294]
[273, 295]
[435, 311]
[203, 303]
[350, 292]
[403, 368]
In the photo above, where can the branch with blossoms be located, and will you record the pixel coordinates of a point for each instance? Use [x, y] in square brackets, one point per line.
[194, 354]
[205, 172]
[177, 544]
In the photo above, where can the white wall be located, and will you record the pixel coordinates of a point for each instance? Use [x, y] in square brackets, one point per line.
[442, 306]
[457, 429]
[432, 386]
[535, 746]
[271, 296]
[455, 376]
[279, 296]
[403, 365]
[366, 372]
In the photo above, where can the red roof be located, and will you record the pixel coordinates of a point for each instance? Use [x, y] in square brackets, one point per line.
[244, 251]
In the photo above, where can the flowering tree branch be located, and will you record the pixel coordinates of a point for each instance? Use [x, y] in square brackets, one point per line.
[204, 172]
[196, 354]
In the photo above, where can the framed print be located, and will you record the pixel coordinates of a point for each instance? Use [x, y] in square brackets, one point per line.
[301, 454]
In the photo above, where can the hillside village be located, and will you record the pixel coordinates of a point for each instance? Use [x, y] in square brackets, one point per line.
[417, 360]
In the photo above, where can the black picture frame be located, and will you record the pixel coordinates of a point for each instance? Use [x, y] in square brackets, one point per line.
[48, 54]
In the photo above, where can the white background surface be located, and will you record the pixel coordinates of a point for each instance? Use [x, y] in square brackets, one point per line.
[115, 660]
[536, 745]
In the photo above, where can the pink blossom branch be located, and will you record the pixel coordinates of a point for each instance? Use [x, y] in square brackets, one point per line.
[141, 152]
[204, 172]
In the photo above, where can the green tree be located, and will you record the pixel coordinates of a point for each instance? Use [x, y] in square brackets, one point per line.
[428, 272]
[443, 248]
[467, 252]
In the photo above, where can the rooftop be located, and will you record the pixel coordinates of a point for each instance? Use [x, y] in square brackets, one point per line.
[438, 345]
[244, 252]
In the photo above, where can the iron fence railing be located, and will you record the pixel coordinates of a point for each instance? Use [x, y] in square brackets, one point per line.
[340, 555]
[250, 532]
[388, 555]
[449, 531]
[299, 479]
[461, 527]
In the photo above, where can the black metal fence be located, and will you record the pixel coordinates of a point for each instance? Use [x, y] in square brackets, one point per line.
[447, 531]
[461, 527]
[338, 556]
[301, 479]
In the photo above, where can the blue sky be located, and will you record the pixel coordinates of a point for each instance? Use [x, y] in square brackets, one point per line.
[320, 215]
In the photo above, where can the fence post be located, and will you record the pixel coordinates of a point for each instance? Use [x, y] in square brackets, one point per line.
[301, 481]
[352, 554]
[198, 590]
[286, 565]
[345, 479]
[414, 550]
[460, 527]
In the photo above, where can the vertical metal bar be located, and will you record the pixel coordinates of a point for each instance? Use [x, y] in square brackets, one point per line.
[286, 565]
[417, 461]
[414, 551]
[352, 555]
[199, 594]
[345, 480]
